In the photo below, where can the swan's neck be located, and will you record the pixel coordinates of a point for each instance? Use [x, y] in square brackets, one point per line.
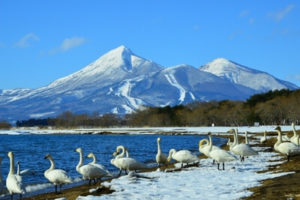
[94, 159]
[210, 143]
[294, 130]
[80, 161]
[246, 137]
[52, 164]
[236, 137]
[11, 167]
[171, 152]
[158, 147]
[127, 153]
[18, 168]
[279, 138]
[123, 151]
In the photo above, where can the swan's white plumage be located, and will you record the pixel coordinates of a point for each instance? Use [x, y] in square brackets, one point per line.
[56, 176]
[94, 162]
[204, 147]
[295, 138]
[241, 149]
[264, 138]
[219, 155]
[14, 182]
[182, 156]
[126, 163]
[160, 157]
[89, 171]
[287, 148]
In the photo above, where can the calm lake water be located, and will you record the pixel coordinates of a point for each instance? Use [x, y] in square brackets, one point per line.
[31, 149]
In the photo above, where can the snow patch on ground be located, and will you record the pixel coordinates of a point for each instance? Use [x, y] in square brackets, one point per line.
[204, 182]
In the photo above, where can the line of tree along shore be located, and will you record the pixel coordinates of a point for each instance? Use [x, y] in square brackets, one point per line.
[273, 107]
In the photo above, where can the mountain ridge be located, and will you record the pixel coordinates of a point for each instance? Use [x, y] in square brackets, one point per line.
[120, 82]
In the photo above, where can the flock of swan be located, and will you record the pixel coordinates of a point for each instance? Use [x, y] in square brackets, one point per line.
[94, 171]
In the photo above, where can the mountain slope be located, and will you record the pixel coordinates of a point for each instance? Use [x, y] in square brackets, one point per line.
[236, 73]
[121, 82]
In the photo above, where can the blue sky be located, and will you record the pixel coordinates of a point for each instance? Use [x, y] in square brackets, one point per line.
[41, 41]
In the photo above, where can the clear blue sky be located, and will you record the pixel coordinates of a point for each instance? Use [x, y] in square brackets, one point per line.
[41, 41]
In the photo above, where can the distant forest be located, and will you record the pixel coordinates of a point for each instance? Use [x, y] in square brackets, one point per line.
[273, 107]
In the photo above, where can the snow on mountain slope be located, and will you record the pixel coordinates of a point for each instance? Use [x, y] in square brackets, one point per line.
[257, 80]
[121, 82]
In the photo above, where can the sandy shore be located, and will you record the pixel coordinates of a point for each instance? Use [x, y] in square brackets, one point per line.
[283, 187]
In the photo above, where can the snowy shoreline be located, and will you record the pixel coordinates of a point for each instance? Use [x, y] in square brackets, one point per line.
[204, 182]
[219, 130]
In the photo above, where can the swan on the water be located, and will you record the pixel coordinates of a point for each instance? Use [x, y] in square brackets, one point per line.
[56, 176]
[182, 156]
[287, 148]
[160, 157]
[89, 171]
[219, 155]
[14, 182]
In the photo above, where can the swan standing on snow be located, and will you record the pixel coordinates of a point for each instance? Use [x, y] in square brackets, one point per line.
[240, 149]
[94, 162]
[126, 163]
[295, 138]
[89, 171]
[160, 157]
[56, 176]
[182, 156]
[219, 155]
[287, 148]
[14, 183]
[264, 138]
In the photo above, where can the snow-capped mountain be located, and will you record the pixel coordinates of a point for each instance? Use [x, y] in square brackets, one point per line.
[238, 74]
[121, 82]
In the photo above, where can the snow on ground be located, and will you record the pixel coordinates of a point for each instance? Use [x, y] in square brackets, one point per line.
[218, 130]
[203, 182]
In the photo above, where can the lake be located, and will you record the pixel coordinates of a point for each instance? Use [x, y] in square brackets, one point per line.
[30, 150]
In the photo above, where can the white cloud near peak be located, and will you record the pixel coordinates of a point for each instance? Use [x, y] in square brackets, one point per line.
[26, 40]
[70, 43]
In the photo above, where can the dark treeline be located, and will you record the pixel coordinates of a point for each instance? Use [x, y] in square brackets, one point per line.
[274, 107]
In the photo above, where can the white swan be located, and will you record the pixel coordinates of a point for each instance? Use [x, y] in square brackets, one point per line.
[182, 156]
[240, 149]
[88, 172]
[160, 157]
[219, 155]
[56, 176]
[264, 138]
[287, 148]
[25, 172]
[204, 147]
[126, 163]
[246, 137]
[94, 162]
[14, 183]
[295, 138]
